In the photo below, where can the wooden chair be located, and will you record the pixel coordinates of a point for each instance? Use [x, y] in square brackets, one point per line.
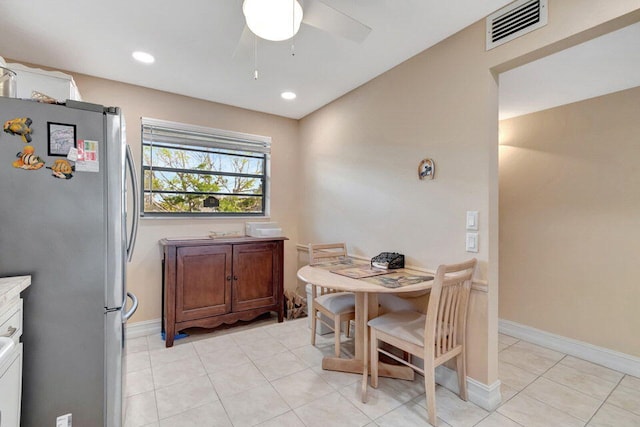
[335, 305]
[435, 337]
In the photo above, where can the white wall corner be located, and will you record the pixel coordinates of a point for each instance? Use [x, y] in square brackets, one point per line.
[144, 328]
[485, 396]
[612, 359]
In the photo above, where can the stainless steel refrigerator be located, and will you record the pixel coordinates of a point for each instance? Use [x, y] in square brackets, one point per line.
[68, 229]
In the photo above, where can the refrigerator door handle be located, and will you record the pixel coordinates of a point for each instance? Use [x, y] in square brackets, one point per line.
[134, 307]
[136, 204]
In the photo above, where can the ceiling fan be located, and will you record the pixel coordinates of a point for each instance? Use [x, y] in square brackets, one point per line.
[315, 13]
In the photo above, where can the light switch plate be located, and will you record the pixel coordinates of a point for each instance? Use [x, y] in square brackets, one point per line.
[472, 242]
[472, 220]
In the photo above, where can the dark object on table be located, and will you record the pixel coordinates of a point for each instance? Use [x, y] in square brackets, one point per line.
[390, 260]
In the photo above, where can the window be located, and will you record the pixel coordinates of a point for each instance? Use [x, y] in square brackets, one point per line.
[197, 171]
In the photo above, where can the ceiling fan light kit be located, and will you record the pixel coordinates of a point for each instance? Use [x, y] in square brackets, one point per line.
[274, 20]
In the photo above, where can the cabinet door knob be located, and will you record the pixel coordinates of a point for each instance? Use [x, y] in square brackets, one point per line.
[228, 278]
[235, 277]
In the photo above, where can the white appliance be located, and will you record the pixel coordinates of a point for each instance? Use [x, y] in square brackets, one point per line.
[71, 236]
[55, 84]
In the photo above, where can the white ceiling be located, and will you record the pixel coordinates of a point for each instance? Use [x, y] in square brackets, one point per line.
[606, 64]
[194, 42]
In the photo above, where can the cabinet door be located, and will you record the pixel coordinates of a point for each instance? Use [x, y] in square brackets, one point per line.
[203, 281]
[256, 274]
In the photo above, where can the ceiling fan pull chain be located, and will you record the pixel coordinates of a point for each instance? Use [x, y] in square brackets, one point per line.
[293, 27]
[255, 57]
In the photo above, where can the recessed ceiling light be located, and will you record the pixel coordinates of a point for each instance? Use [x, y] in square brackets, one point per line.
[143, 57]
[288, 95]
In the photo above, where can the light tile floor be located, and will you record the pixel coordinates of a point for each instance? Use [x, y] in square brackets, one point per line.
[267, 374]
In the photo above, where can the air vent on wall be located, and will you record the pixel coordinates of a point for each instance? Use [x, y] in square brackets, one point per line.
[515, 20]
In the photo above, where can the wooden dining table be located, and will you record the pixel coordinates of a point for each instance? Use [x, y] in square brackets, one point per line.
[351, 275]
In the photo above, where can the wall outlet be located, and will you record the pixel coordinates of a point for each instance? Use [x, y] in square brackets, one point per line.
[63, 420]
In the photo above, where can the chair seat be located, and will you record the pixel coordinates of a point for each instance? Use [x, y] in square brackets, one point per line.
[407, 325]
[391, 302]
[338, 303]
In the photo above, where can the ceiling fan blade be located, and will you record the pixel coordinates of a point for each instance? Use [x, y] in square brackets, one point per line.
[245, 43]
[324, 17]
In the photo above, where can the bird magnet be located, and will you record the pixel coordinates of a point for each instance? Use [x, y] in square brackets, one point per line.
[28, 160]
[19, 126]
[62, 169]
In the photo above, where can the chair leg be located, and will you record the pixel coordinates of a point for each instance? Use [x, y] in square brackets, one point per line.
[347, 331]
[314, 322]
[336, 332]
[374, 358]
[461, 368]
[430, 390]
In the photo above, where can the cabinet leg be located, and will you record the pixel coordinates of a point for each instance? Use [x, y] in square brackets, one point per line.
[169, 334]
[281, 314]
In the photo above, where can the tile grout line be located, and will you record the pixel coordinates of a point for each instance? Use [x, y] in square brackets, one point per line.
[212, 385]
[517, 392]
[276, 390]
[572, 388]
[293, 410]
[538, 376]
[155, 395]
[198, 356]
[605, 400]
[542, 376]
[624, 387]
[268, 382]
[590, 375]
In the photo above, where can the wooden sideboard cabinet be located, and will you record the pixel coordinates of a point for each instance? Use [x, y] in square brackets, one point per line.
[208, 282]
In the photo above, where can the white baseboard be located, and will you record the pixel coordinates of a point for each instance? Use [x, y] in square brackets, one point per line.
[144, 328]
[485, 396]
[602, 356]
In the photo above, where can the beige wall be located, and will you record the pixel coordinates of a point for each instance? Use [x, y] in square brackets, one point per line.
[359, 157]
[570, 220]
[144, 274]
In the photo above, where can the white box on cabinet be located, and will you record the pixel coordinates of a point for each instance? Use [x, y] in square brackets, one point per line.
[262, 229]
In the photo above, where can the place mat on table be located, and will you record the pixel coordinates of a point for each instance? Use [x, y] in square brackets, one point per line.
[397, 279]
[360, 272]
[340, 263]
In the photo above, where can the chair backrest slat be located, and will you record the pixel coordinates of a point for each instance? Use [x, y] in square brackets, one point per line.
[448, 318]
[447, 310]
[455, 313]
[324, 252]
